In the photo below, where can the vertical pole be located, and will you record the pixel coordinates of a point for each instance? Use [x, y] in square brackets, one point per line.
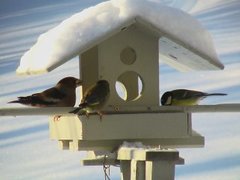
[148, 171]
[160, 170]
[163, 170]
[141, 170]
[125, 167]
[162, 164]
[149, 165]
[89, 60]
[132, 170]
[128, 170]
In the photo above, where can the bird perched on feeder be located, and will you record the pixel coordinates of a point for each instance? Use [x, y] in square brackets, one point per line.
[185, 97]
[94, 98]
[61, 95]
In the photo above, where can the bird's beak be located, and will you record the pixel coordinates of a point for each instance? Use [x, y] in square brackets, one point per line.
[78, 82]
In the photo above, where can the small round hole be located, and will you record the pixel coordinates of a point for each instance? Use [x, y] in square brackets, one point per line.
[128, 56]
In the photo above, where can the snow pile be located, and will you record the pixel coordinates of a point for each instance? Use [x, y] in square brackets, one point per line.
[87, 28]
[133, 145]
[137, 145]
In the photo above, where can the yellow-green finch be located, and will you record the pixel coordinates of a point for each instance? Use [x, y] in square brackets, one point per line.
[94, 98]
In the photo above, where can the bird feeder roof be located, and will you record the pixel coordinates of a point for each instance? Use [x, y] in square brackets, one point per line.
[179, 34]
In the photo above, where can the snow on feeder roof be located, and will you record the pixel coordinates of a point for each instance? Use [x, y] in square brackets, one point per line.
[183, 42]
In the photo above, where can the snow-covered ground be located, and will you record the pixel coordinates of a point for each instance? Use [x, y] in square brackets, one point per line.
[25, 149]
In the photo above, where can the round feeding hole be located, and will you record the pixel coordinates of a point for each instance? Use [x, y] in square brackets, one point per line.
[128, 56]
[129, 86]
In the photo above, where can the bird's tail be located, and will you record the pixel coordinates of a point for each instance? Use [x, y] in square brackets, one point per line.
[16, 101]
[216, 94]
[81, 107]
[23, 100]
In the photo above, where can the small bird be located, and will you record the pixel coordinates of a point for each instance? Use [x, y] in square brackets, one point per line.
[94, 99]
[185, 97]
[61, 95]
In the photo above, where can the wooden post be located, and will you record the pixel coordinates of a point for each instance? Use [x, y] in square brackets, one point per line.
[140, 164]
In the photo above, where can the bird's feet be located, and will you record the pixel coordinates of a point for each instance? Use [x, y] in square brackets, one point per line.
[98, 112]
[100, 115]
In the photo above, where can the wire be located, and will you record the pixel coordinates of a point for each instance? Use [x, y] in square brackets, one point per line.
[106, 168]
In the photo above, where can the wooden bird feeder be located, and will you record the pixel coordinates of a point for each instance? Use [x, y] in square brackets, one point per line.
[128, 57]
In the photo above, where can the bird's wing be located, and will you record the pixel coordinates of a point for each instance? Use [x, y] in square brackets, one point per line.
[49, 97]
[54, 93]
[198, 94]
[186, 94]
[93, 97]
